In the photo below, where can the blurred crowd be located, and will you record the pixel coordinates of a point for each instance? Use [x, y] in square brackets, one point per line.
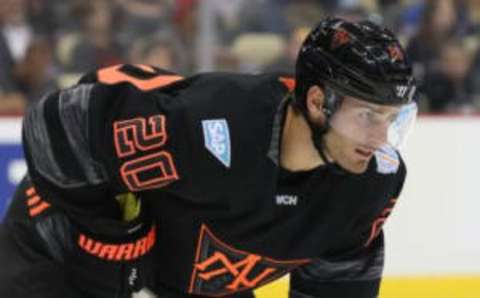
[47, 44]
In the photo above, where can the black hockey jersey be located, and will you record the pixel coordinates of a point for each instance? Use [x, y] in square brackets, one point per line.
[201, 155]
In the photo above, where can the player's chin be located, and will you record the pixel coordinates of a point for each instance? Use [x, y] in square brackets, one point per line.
[356, 165]
[359, 167]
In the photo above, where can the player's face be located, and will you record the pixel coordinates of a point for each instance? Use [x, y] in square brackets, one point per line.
[358, 129]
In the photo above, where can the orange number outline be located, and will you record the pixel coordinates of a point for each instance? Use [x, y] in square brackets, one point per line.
[142, 140]
[162, 160]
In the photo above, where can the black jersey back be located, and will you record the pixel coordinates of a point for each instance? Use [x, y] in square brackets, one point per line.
[202, 155]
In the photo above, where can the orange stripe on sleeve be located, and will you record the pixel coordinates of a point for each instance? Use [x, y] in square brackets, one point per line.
[33, 200]
[39, 208]
[30, 191]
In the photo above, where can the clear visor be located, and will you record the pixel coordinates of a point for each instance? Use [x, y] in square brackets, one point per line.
[372, 126]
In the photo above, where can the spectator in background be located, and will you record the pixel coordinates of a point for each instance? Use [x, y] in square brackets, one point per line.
[447, 88]
[15, 37]
[304, 13]
[286, 63]
[143, 18]
[235, 17]
[43, 17]
[474, 79]
[261, 24]
[354, 13]
[391, 12]
[185, 23]
[35, 73]
[474, 10]
[97, 45]
[228, 19]
[440, 22]
[162, 50]
[263, 29]
[411, 15]
[15, 27]
[264, 16]
[6, 57]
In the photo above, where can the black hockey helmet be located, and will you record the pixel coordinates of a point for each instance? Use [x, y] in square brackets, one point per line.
[361, 60]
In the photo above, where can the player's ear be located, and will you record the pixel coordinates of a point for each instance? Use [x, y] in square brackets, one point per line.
[314, 102]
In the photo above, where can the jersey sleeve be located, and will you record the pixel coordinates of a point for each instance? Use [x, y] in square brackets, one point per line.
[354, 276]
[108, 134]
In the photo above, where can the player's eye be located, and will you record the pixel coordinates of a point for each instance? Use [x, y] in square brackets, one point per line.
[392, 118]
[366, 115]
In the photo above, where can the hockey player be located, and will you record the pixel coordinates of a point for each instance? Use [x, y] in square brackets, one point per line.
[216, 184]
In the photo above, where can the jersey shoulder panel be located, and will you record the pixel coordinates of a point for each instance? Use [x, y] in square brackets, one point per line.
[66, 134]
[142, 77]
[56, 138]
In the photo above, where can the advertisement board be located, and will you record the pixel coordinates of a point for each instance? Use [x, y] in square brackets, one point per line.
[12, 163]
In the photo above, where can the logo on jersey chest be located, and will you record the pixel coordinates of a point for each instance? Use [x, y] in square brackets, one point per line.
[217, 139]
[221, 270]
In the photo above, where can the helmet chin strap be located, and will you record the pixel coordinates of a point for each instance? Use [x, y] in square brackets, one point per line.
[318, 139]
[332, 103]
[318, 133]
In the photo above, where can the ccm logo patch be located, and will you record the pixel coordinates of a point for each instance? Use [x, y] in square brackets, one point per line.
[286, 200]
[217, 139]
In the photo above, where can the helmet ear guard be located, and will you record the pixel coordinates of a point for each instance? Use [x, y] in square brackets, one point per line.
[332, 101]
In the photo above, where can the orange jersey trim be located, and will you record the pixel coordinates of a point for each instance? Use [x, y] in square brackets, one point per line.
[113, 75]
[288, 82]
[35, 204]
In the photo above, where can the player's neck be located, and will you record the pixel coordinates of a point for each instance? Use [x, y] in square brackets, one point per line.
[297, 149]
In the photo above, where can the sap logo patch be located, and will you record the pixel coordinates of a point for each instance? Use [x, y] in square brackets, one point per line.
[217, 139]
[388, 160]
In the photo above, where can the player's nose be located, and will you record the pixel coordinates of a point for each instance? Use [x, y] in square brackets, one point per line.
[379, 136]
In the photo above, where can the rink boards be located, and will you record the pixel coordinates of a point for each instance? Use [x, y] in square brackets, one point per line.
[406, 287]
